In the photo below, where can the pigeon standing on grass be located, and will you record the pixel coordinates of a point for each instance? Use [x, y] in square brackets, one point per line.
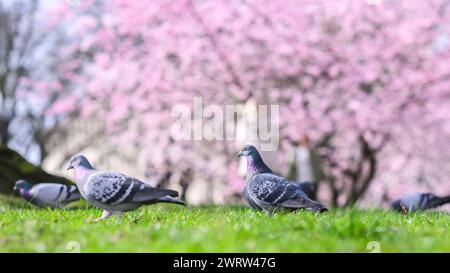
[47, 194]
[419, 201]
[268, 191]
[113, 192]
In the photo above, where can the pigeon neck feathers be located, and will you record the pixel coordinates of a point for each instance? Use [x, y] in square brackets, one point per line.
[256, 165]
[26, 194]
[81, 172]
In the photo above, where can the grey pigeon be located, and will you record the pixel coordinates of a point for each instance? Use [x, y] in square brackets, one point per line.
[51, 195]
[419, 201]
[113, 192]
[268, 191]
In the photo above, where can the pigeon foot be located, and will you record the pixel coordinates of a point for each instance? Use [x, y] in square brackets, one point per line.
[105, 215]
[119, 216]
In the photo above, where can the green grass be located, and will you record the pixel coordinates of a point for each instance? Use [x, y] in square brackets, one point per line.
[169, 228]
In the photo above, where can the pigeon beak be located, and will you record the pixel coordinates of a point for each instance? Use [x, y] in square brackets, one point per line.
[69, 167]
[240, 154]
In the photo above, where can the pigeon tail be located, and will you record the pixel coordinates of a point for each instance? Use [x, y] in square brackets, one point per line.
[149, 195]
[168, 199]
[302, 203]
[73, 194]
[439, 201]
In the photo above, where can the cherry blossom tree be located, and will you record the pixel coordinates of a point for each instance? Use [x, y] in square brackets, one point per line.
[368, 81]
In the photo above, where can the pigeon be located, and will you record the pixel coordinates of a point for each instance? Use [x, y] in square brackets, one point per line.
[268, 191]
[51, 195]
[113, 192]
[418, 201]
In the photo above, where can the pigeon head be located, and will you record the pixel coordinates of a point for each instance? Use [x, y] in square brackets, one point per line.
[79, 161]
[255, 164]
[21, 185]
[248, 150]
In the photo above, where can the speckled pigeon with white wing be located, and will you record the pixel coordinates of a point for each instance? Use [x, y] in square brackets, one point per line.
[268, 191]
[114, 192]
[51, 195]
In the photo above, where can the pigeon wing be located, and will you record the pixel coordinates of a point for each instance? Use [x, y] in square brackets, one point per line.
[114, 188]
[271, 189]
[427, 201]
[275, 190]
[49, 194]
[412, 201]
[248, 198]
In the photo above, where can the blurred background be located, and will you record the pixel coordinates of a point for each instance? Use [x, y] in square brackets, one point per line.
[363, 88]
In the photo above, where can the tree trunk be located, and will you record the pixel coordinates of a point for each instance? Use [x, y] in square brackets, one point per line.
[363, 175]
[4, 132]
[14, 167]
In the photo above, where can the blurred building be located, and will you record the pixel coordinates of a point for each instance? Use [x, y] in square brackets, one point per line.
[87, 136]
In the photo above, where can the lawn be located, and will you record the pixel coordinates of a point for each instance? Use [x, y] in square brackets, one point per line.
[169, 228]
